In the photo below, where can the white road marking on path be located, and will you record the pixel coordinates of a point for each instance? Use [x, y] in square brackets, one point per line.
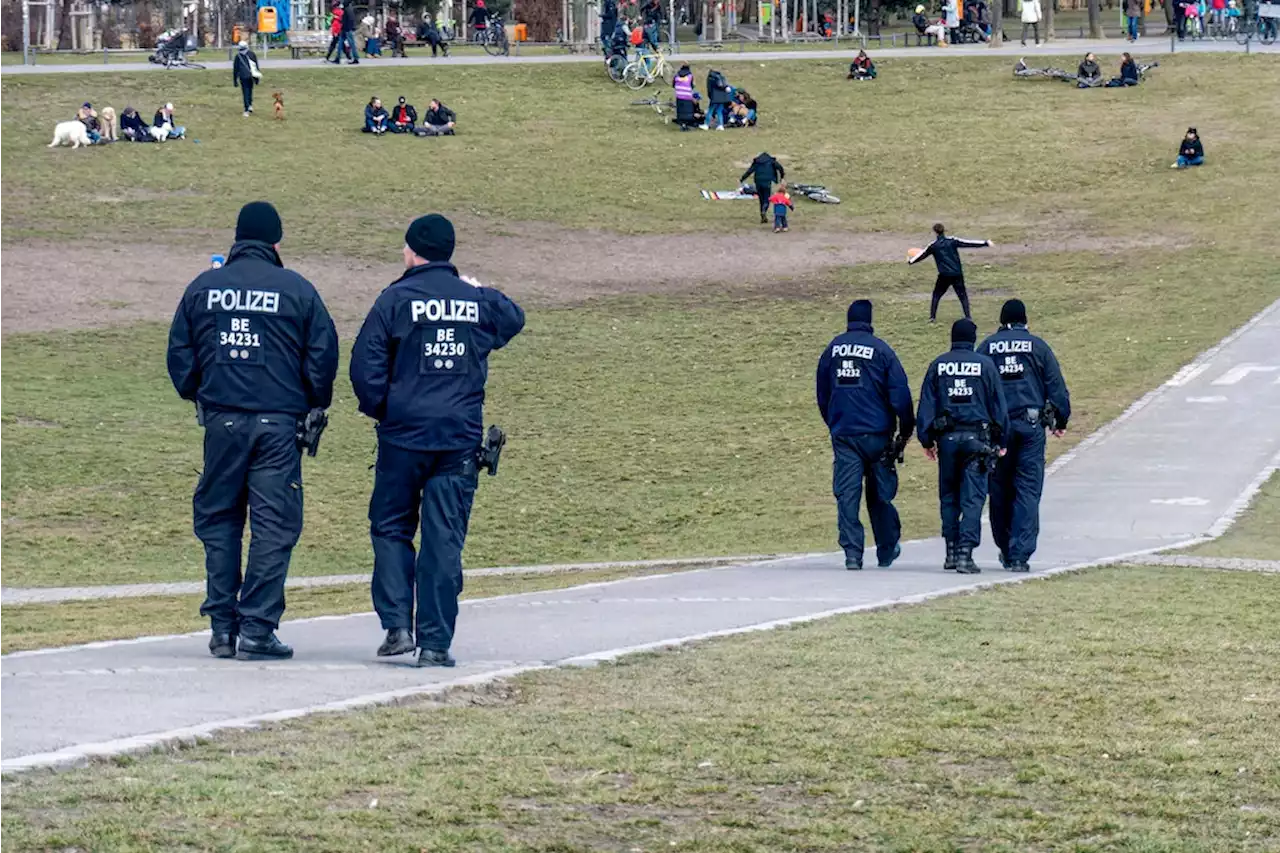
[1189, 501]
[1240, 371]
[1206, 399]
[1187, 374]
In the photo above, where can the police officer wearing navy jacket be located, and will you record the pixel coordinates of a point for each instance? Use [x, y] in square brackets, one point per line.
[862, 395]
[253, 347]
[419, 367]
[1037, 398]
[962, 422]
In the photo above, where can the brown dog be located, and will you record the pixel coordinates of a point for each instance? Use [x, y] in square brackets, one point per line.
[108, 122]
[279, 105]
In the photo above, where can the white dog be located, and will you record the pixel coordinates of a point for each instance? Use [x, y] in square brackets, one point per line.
[161, 133]
[72, 131]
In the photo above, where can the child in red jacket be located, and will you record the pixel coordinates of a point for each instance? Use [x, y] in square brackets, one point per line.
[781, 201]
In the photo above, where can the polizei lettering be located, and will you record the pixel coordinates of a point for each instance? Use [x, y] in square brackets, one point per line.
[999, 347]
[853, 351]
[960, 368]
[262, 301]
[445, 310]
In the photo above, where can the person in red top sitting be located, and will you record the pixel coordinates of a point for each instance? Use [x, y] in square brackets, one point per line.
[403, 117]
[781, 201]
[335, 30]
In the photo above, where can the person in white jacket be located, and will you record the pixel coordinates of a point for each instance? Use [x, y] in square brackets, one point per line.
[951, 17]
[1031, 17]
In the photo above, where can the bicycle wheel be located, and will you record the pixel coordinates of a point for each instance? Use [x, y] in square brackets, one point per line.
[196, 65]
[634, 77]
[616, 65]
[1243, 35]
[1267, 35]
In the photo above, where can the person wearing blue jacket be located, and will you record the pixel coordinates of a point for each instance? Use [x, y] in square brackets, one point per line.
[1037, 397]
[962, 422]
[945, 252]
[252, 345]
[419, 367]
[864, 397]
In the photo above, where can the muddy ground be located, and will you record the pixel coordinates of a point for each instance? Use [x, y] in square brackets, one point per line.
[49, 286]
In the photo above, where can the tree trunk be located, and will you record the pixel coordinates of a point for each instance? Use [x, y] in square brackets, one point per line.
[64, 25]
[1095, 19]
[873, 18]
[1048, 10]
[997, 24]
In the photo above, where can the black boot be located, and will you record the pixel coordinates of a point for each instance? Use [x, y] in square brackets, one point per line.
[427, 657]
[885, 563]
[764, 220]
[265, 648]
[949, 564]
[222, 645]
[1018, 566]
[399, 641]
[964, 562]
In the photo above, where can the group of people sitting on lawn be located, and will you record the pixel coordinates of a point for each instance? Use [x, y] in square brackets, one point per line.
[1089, 73]
[103, 129]
[403, 118]
[727, 106]
[951, 27]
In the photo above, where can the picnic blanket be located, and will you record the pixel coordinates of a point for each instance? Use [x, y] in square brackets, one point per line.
[728, 195]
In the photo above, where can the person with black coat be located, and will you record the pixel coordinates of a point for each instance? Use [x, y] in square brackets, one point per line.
[348, 36]
[608, 20]
[430, 33]
[245, 74]
[376, 118]
[439, 120]
[1190, 151]
[766, 171]
[133, 128]
[1089, 74]
[1129, 73]
[403, 117]
[945, 252]
[720, 94]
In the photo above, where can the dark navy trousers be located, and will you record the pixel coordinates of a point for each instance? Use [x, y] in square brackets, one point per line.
[859, 460]
[1016, 486]
[251, 465]
[434, 489]
[962, 487]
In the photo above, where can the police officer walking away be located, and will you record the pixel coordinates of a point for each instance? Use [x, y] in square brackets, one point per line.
[1037, 398]
[767, 171]
[962, 423]
[419, 367]
[862, 395]
[253, 347]
[946, 254]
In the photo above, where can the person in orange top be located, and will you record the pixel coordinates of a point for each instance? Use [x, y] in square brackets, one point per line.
[781, 201]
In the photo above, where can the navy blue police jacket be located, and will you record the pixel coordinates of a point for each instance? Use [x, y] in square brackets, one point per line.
[420, 362]
[1028, 371]
[253, 336]
[964, 384]
[945, 252]
[862, 388]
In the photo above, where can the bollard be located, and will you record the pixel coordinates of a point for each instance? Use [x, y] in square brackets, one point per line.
[1173, 43]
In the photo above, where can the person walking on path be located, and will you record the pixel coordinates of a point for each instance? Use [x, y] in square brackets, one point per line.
[1133, 18]
[946, 254]
[1031, 16]
[335, 32]
[246, 74]
[348, 37]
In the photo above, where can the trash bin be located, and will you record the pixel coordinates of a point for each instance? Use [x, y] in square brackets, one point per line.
[521, 32]
[268, 22]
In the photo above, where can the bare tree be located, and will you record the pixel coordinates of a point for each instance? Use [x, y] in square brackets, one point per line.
[1048, 20]
[997, 24]
[64, 25]
[1095, 19]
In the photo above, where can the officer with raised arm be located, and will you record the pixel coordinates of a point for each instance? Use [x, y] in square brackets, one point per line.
[419, 368]
[962, 423]
[863, 395]
[253, 347]
[1037, 398]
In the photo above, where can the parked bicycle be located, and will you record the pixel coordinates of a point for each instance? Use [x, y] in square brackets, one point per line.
[647, 68]
[493, 38]
[1263, 26]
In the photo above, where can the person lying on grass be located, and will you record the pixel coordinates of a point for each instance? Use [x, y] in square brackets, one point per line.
[1190, 152]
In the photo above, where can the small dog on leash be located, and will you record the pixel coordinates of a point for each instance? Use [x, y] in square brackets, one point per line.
[108, 121]
[279, 105]
[73, 132]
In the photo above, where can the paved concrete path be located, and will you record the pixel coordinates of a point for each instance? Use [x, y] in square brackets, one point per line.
[278, 60]
[1177, 466]
[58, 594]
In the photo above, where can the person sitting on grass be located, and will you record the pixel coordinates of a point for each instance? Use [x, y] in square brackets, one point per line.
[87, 116]
[375, 117]
[1129, 74]
[1190, 152]
[133, 127]
[164, 116]
[743, 109]
[403, 117]
[781, 201]
[862, 68]
[439, 120]
[1089, 74]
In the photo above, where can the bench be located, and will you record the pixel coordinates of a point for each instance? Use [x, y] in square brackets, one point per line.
[922, 39]
[304, 41]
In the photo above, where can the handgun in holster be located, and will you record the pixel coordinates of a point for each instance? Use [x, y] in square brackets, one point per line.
[893, 454]
[490, 450]
[310, 428]
[1049, 417]
[941, 425]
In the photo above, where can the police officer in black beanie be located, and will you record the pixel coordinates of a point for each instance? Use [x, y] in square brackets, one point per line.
[863, 396]
[419, 367]
[253, 347]
[962, 423]
[1031, 378]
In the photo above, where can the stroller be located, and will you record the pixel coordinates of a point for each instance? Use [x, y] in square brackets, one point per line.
[172, 49]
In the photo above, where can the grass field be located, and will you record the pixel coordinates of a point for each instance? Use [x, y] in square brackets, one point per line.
[1080, 713]
[658, 420]
[1256, 535]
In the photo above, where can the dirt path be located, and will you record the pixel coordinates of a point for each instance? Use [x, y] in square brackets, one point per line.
[49, 286]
